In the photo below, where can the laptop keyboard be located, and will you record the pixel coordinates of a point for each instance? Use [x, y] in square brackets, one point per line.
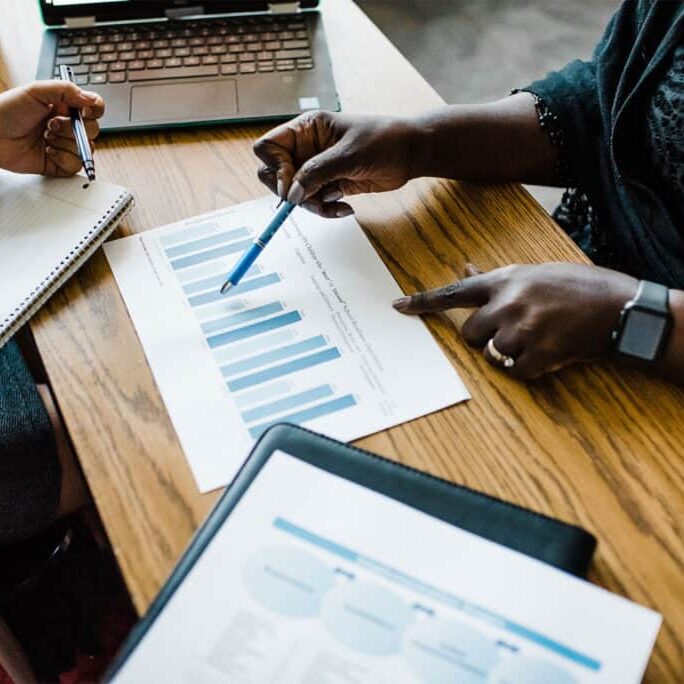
[211, 47]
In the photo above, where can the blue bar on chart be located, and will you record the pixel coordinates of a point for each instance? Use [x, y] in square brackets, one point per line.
[283, 369]
[275, 389]
[245, 286]
[303, 416]
[253, 329]
[294, 400]
[189, 233]
[273, 356]
[209, 254]
[237, 351]
[206, 242]
[241, 317]
[215, 281]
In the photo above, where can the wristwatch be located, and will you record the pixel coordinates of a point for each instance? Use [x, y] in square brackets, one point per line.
[645, 322]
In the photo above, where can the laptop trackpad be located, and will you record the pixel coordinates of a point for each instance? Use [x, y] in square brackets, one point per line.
[184, 101]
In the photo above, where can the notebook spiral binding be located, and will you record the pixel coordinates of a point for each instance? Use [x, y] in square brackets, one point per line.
[76, 257]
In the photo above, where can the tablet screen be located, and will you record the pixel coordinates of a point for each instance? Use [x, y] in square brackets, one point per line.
[313, 578]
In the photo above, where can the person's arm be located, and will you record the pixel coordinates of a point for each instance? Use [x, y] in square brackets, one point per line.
[319, 157]
[496, 142]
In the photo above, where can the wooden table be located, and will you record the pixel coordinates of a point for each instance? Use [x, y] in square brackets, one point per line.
[593, 445]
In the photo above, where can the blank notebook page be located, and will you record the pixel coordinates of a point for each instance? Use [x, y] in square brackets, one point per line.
[48, 227]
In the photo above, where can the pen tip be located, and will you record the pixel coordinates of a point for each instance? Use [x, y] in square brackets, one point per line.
[226, 286]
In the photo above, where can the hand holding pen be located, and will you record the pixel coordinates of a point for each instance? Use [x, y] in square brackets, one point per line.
[85, 151]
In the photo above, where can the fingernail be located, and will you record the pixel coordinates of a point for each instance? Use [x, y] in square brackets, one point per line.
[53, 124]
[332, 196]
[296, 194]
[87, 112]
[89, 95]
[344, 211]
[49, 150]
[281, 188]
[401, 304]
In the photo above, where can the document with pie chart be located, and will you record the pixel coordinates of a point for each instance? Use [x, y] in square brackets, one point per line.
[314, 578]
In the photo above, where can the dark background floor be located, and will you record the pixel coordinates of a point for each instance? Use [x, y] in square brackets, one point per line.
[478, 50]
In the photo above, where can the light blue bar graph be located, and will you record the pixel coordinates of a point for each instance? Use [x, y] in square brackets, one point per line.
[294, 400]
[254, 344]
[190, 233]
[206, 242]
[263, 393]
[242, 317]
[273, 356]
[283, 369]
[254, 329]
[209, 254]
[308, 414]
[244, 286]
[216, 281]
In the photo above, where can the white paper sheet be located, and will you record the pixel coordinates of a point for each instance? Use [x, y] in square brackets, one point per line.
[308, 336]
[314, 578]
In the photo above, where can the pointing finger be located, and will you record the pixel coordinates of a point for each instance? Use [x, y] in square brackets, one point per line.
[466, 293]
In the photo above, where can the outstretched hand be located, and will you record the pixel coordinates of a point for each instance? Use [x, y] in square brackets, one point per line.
[543, 317]
[35, 131]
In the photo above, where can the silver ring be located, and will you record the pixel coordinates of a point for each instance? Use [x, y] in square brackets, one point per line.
[503, 359]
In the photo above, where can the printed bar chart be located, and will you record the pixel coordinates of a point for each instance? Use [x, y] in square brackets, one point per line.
[308, 336]
[254, 346]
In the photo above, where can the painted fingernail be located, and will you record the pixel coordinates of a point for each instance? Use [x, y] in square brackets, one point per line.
[344, 211]
[332, 196]
[401, 304]
[296, 194]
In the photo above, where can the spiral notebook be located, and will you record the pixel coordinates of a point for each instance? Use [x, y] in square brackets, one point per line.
[48, 228]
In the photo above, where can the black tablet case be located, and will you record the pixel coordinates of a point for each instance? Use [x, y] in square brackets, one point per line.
[564, 546]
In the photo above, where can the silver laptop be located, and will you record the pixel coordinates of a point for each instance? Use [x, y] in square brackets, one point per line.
[161, 64]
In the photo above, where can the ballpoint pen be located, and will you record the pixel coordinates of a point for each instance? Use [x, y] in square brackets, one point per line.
[253, 251]
[84, 150]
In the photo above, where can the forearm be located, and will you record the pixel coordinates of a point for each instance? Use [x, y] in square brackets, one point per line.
[496, 142]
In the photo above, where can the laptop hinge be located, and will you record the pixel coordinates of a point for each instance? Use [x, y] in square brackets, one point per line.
[180, 12]
[284, 7]
[79, 22]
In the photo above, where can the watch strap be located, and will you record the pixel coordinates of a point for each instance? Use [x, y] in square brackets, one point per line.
[652, 296]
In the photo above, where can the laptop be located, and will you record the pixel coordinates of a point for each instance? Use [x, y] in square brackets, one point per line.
[175, 63]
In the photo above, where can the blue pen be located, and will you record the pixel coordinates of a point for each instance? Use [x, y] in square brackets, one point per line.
[253, 251]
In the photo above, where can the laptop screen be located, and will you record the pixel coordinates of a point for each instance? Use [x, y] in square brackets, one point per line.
[55, 12]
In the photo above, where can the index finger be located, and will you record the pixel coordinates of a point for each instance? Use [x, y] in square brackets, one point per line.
[276, 151]
[64, 94]
[466, 293]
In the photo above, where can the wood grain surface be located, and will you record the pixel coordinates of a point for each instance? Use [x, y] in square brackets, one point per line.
[597, 446]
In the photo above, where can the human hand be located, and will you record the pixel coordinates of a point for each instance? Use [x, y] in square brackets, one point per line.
[319, 157]
[35, 130]
[543, 317]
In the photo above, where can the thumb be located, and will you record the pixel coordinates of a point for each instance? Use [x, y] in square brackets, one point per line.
[63, 94]
[330, 165]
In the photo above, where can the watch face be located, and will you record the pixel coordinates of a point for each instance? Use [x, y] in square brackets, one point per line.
[642, 334]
